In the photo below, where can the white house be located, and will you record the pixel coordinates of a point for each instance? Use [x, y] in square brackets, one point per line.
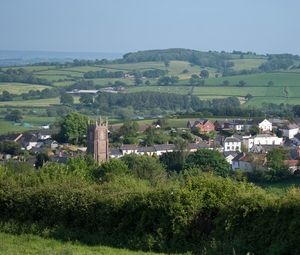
[232, 144]
[290, 130]
[262, 139]
[265, 125]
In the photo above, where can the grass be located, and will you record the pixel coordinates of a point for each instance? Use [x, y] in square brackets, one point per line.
[8, 127]
[281, 187]
[34, 245]
[36, 102]
[260, 79]
[33, 103]
[248, 64]
[19, 88]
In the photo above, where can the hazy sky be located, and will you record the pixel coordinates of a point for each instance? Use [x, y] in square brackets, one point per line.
[263, 26]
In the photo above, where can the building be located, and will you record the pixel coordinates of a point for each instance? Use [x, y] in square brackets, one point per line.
[97, 141]
[290, 130]
[232, 144]
[204, 126]
[262, 139]
[265, 126]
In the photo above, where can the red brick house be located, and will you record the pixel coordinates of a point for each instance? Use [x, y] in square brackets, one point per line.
[204, 126]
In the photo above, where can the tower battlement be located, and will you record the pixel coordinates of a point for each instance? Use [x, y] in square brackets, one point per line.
[97, 140]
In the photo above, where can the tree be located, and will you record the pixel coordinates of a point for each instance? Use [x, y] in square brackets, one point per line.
[73, 128]
[225, 83]
[41, 158]
[10, 147]
[275, 162]
[208, 161]
[86, 99]
[254, 130]
[195, 79]
[66, 99]
[241, 83]
[147, 83]
[145, 167]
[270, 83]
[6, 96]
[108, 170]
[14, 115]
[204, 74]
[138, 81]
[248, 96]
[129, 129]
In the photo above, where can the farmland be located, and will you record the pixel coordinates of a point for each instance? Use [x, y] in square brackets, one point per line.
[280, 86]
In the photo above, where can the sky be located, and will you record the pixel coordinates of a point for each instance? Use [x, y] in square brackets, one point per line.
[261, 26]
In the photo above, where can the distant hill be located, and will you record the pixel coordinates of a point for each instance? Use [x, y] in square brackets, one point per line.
[10, 58]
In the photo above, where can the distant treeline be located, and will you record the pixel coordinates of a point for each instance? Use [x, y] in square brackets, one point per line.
[151, 73]
[21, 75]
[109, 103]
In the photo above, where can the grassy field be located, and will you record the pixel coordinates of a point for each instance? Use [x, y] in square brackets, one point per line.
[260, 79]
[36, 102]
[33, 103]
[281, 187]
[285, 88]
[19, 88]
[248, 64]
[34, 245]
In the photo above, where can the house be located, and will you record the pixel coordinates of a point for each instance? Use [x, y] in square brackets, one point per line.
[30, 141]
[262, 139]
[44, 134]
[232, 144]
[265, 126]
[148, 150]
[230, 155]
[163, 148]
[292, 164]
[129, 148]
[296, 139]
[290, 130]
[204, 126]
[115, 153]
[249, 162]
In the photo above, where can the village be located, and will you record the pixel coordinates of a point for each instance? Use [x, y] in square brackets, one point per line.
[243, 143]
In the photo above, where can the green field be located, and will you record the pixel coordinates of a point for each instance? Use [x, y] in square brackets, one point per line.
[34, 245]
[285, 88]
[247, 64]
[19, 88]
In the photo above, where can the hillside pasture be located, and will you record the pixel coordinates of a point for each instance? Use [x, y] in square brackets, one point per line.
[19, 88]
[247, 63]
[260, 79]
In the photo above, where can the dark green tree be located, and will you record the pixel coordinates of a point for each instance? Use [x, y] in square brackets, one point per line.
[86, 99]
[204, 74]
[41, 158]
[73, 128]
[66, 99]
[208, 161]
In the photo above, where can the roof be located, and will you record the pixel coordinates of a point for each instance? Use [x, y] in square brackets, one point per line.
[239, 156]
[230, 153]
[164, 147]
[146, 149]
[11, 137]
[115, 152]
[231, 140]
[129, 147]
[290, 126]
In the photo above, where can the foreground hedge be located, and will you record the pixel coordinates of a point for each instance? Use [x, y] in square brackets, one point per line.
[205, 214]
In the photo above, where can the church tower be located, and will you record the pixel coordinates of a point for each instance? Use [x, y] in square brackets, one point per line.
[97, 141]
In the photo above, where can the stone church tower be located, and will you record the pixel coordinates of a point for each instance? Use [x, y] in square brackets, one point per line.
[97, 141]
